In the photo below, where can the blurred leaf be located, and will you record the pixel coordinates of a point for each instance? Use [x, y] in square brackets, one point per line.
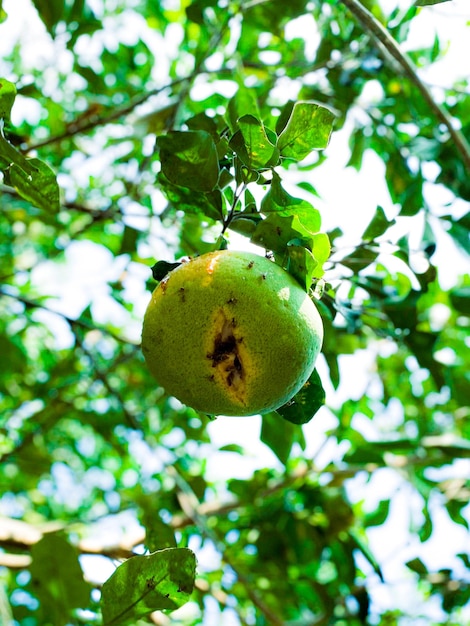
[158, 535]
[50, 12]
[460, 299]
[189, 159]
[417, 566]
[57, 578]
[305, 404]
[425, 3]
[309, 128]
[460, 230]
[280, 435]
[160, 581]
[379, 516]
[378, 225]
[129, 240]
[361, 258]
[243, 103]
[7, 90]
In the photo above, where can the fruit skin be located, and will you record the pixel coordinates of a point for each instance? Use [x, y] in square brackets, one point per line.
[231, 333]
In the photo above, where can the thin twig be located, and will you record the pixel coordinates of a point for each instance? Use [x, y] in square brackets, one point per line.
[375, 28]
[32, 304]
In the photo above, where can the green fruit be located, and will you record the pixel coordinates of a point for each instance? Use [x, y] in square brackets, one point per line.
[231, 333]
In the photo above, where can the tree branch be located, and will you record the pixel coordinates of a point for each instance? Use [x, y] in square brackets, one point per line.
[375, 28]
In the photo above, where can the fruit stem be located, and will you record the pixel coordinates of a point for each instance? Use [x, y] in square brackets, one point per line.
[231, 214]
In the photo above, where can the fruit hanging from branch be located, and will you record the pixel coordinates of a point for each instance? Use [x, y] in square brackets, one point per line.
[231, 333]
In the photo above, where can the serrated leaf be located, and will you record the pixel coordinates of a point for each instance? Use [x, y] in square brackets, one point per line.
[57, 578]
[189, 159]
[7, 91]
[305, 404]
[162, 581]
[309, 128]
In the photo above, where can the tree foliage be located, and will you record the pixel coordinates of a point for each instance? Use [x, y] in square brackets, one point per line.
[140, 133]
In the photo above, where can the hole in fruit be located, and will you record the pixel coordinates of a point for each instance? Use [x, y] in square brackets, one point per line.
[226, 358]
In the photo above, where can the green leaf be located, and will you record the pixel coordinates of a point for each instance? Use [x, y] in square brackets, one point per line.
[280, 435]
[275, 232]
[243, 103]
[426, 3]
[189, 159]
[309, 128]
[255, 150]
[158, 535]
[361, 258]
[191, 201]
[7, 92]
[460, 299]
[33, 179]
[416, 565]
[460, 230]
[301, 264]
[50, 12]
[379, 516]
[162, 581]
[57, 578]
[3, 15]
[377, 226]
[304, 264]
[277, 200]
[305, 404]
[162, 268]
[38, 187]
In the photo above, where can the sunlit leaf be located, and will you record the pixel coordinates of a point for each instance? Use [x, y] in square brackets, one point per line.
[309, 128]
[277, 200]
[162, 581]
[7, 92]
[253, 145]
